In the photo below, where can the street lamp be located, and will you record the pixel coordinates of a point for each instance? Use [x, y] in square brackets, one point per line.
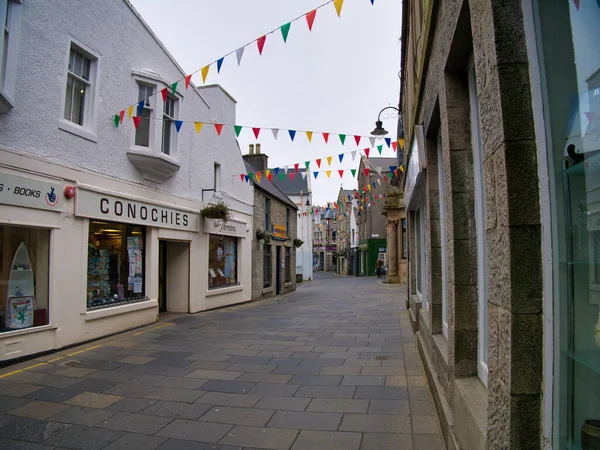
[379, 131]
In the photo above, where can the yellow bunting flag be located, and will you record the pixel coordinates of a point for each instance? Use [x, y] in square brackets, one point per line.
[198, 126]
[328, 172]
[258, 176]
[204, 73]
[329, 160]
[338, 6]
[309, 135]
[401, 143]
[268, 171]
[369, 187]
[129, 112]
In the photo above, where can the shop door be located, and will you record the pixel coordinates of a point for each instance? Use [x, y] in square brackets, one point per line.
[162, 276]
[278, 271]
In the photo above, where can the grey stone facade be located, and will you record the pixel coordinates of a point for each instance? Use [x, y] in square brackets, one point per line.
[508, 412]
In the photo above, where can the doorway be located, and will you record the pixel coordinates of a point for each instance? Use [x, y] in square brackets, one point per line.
[278, 271]
[173, 276]
[162, 276]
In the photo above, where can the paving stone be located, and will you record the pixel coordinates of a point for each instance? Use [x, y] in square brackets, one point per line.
[180, 382]
[265, 378]
[423, 407]
[9, 403]
[132, 441]
[178, 444]
[177, 395]
[285, 361]
[103, 375]
[131, 405]
[419, 393]
[340, 370]
[208, 357]
[233, 387]
[331, 440]
[251, 368]
[381, 393]
[380, 441]
[30, 430]
[305, 420]
[337, 405]
[90, 385]
[427, 442]
[11, 389]
[178, 372]
[374, 423]
[249, 359]
[283, 403]
[322, 362]
[78, 415]
[264, 438]
[38, 409]
[238, 416]
[215, 374]
[93, 400]
[298, 370]
[316, 380]
[389, 407]
[359, 380]
[76, 372]
[195, 431]
[382, 371]
[395, 381]
[274, 390]
[227, 399]
[134, 423]
[176, 410]
[83, 438]
[20, 445]
[136, 359]
[134, 378]
[424, 424]
[131, 390]
[362, 363]
[144, 369]
[326, 391]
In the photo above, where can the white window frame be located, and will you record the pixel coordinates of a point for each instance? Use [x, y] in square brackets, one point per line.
[148, 105]
[173, 117]
[89, 129]
[443, 236]
[217, 177]
[8, 55]
[421, 253]
[482, 290]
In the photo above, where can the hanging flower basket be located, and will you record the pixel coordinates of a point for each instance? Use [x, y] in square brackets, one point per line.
[298, 242]
[217, 211]
[262, 235]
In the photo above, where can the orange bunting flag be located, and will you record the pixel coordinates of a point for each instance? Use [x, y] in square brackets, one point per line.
[121, 115]
[338, 6]
[204, 73]
[219, 128]
[129, 112]
[326, 137]
[310, 18]
[329, 160]
[357, 139]
[366, 172]
[367, 150]
[309, 135]
[136, 121]
[394, 145]
[256, 132]
[187, 82]
[328, 172]
[319, 163]
[341, 172]
[198, 126]
[296, 167]
[261, 43]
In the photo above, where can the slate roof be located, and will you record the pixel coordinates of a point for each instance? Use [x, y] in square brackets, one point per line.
[292, 187]
[269, 187]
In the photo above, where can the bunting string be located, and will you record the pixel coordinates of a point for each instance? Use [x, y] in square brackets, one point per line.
[239, 52]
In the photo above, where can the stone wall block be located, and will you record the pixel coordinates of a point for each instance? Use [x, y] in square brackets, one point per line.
[526, 269]
[434, 203]
[489, 189]
[498, 266]
[463, 217]
[516, 101]
[435, 233]
[462, 175]
[465, 308]
[509, 32]
[504, 347]
[459, 126]
[526, 426]
[493, 339]
[527, 355]
[490, 117]
[465, 353]
[465, 262]
[501, 190]
[499, 410]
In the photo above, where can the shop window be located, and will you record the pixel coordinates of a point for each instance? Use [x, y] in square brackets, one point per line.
[24, 262]
[143, 131]
[267, 266]
[288, 264]
[443, 243]
[115, 268]
[404, 249]
[222, 261]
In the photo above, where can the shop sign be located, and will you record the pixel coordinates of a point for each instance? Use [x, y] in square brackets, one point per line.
[229, 228]
[30, 193]
[279, 232]
[381, 249]
[98, 205]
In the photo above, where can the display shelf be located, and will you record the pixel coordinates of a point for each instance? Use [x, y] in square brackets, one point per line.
[590, 359]
[589, 164]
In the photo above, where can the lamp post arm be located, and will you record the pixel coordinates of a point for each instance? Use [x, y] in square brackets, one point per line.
[387, 107]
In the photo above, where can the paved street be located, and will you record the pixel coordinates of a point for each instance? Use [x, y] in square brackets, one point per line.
[331, 366]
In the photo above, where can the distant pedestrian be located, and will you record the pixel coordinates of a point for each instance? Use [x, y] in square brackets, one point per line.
[378, 265]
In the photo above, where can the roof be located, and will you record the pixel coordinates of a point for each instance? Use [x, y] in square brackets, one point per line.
[328, 214]
[270, 188]
[384, 163]
[295, 186]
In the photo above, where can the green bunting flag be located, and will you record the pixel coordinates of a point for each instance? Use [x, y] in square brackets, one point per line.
[116, 120]
[380, 148]
[174, 87]
[353, 173]
[238, 129]
[342, 138]
[281, 175]
[307, 164]
[285, 29]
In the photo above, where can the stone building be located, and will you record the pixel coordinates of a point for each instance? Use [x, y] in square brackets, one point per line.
[373, 188]
[347, 243]
[501, 114]
[396, 238]
[325, 239]
[274, 231]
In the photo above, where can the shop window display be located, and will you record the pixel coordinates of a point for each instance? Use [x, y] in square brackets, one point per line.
[115, 272]
[222, 261]
[24, 262]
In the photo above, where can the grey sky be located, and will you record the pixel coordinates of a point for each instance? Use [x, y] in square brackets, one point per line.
[333, 79]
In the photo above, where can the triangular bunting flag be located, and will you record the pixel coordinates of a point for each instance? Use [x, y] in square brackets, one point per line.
[379, 169]
[260, 42]
[342, 138]
[239, 53]
[307, 164]
[303, 175]
[338, 6]
[373, 184]
[309, 135]
[218, 127]
[174, 87]
[285, 169]
[296, 167]
[129, 112]
[316, 174]
[328, 172]
[258, 176]
[276, 170]
[292, 175]
[366, 170]
[401, 169]
[372, 2]
[372, 141]
[275, 132]
[121, 115]
[341, 156]
[387, 141]
[329, 160]
[379, 181]
[380, 148]
[238, 129]
[116, 120]
[178, 124]
[204, 73]
[392, 168]
[319, 163]
[385, 178]
[326, 137]
[367, 150]
[242, 177]
[401, 143]
[187, 83]
[246, 178]
[136, 121]
[285, 29]
[256, 132]
[310, 18]
[164, 94]
[357, 139]
[353, 155]
[394, 145]
[341, 172]
[292, 134]
[353, 173]
[219, 64]
[270, 177]
[198, 126]
[140, 110]
[267, 172]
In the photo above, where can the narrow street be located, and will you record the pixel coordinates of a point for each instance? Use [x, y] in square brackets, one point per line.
[330, 366]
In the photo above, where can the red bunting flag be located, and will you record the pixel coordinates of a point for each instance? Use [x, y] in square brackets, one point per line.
[367, 150]
[366, 172]
[270, 176]
[310, 18]
[357, 139]
[187, 83]
[242, 176]
[121, 115]
[292, 175]
[319, 163]
[261, 43]
[341, 172]
[326, 137]
[256, 132]
[394, 145]
[164, 94]
[136, 122]
[385, 178]
[396, 172]
[219, 128]
[296, 167]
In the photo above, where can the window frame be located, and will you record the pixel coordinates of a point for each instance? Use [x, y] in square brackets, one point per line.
[443, 237]
[288, 264]
[267, 274]
[267, 213]
[217, 177]
[11, 25]
[147, 107]
[287, 221]
[172, 130]
[88, 130]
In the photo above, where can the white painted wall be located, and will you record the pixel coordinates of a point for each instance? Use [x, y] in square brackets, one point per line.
[305, 232]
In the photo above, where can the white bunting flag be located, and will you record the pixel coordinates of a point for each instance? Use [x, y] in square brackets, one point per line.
[275, 132]
[239, 53]
[379, 169]
[379, 181]
[353, 155]
[372, 141]
[285, 169]
[303, 175]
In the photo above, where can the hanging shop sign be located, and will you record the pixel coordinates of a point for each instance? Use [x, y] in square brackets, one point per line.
[230, 228]
[98, 205]
[30, 193]
[279, 232]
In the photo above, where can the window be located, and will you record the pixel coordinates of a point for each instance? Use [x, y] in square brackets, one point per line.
[267, 266]
[443, 236]
[421, 253]
[404, 249]
[217, 177]
[267, 214]
[482, 341]
[169, 116]
[10, 18]
[24, 263]
[115, 271]
[142, 132]
[78, 86]
[288, 264]
[287, 221]
[222, 261]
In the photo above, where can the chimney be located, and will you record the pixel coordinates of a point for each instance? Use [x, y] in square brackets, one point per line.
[251, 151]
[256, 158]
[258, 149]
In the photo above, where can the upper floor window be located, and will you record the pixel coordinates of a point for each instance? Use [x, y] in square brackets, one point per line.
[142, 132]
[287, 221]
[78, 86]
[10, 19]
[267, 213]
[169, 117]
[217, 177]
